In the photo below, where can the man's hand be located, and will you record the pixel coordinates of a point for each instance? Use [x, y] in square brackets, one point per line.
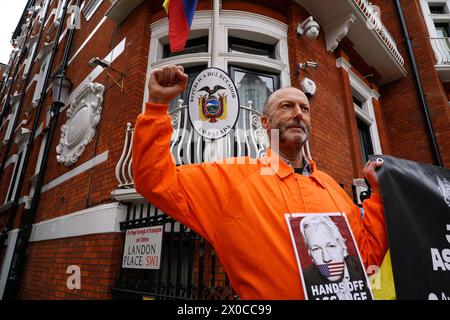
[371, 176]
[166, 83]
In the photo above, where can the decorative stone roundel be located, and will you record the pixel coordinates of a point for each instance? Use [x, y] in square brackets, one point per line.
[83, 117]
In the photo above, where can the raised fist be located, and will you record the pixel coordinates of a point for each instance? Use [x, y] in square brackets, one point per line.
[166, 83]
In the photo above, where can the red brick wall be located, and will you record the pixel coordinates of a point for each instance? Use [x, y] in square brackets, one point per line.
[332, 138]
[97, 256]
[405, 121]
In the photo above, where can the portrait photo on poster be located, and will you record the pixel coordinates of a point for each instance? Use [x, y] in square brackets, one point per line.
[328, 258]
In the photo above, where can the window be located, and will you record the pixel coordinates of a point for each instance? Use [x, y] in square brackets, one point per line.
[41, 80]
[29, 61]
[254, 85]
[253, 50]
[90, 8]
[12, 117]
[44, 6]
[59, 9]
[365, 118]
[251, 47]
[192, 46]
[255, 53]
[365, 139]
[442, 30]
[15, 179]
[357, 103]
[437, 8]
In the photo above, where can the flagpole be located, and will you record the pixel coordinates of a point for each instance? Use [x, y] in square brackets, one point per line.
[215, 35]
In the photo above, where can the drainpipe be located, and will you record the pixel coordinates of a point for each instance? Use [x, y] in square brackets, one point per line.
[20, 250]
[420, 92]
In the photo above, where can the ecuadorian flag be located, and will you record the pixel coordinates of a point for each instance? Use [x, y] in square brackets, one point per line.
[181, 14]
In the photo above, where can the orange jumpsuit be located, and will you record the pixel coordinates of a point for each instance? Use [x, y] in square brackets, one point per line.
[241, 212]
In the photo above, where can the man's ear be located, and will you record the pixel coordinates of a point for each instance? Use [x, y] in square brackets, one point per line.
[265, 122]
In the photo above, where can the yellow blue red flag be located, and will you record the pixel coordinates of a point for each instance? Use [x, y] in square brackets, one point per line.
[181, 14]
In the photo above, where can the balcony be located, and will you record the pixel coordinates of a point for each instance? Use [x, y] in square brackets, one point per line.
[360, 23]
[441, 47]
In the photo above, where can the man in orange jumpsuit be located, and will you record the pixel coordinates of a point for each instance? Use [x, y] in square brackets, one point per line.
[241, 211]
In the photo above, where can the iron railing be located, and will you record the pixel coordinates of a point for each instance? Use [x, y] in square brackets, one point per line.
[247, 139]
[441, 47]
[189, 266]
[374, 22]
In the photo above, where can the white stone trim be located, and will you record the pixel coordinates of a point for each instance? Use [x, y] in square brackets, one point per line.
[78, 170]
[6, 265]
[367, 94]
[358, 82]
[127, 195]
[428, 18]
[12, 159]
[35, 78]
[342, 63]
[368, 114]
[12, 189]
[101, 219]
[84, 114]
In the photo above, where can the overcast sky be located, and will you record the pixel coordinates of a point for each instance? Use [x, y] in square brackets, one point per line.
[10, 12]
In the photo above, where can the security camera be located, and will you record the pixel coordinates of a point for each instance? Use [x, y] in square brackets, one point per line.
[308, 64]
[308, 87]
[98, 62]
[313, 31]
[309, 27]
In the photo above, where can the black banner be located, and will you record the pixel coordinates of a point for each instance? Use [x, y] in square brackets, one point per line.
[416, 201]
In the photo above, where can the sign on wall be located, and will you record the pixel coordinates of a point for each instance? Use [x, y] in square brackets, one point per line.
[213, 103]
[142, 248]
[416, 200]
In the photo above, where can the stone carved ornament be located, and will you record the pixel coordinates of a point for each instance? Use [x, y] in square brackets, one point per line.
[83, 117]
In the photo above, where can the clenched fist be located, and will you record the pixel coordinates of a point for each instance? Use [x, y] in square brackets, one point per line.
[166, 83]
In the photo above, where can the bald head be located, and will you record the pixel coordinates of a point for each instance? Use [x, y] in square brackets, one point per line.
[277, 95]
[287, 111]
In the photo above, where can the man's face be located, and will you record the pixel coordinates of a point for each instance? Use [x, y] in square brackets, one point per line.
[289, 112]
[324, 248]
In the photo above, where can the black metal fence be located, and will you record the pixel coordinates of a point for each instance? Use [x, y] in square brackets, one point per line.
[189, 267]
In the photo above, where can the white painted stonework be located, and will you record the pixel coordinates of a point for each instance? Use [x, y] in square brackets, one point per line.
[83, 117]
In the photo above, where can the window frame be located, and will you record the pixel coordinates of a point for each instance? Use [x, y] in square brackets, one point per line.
[231, 22]
[275, 77]
[90, 8]
[11, 117]
[366, 114]
[18, 166]
[41, 79]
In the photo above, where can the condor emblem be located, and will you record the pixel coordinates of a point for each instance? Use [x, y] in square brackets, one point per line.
[213, 104]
